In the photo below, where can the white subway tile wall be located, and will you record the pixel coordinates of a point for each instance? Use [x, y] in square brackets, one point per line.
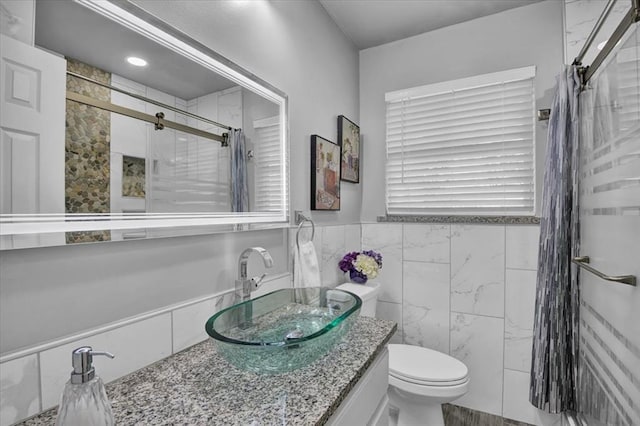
[34, 382]
[135, 346]
[187, 324]
[19, 389]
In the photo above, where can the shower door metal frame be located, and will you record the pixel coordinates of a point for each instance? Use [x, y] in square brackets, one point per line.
[158, 120]
[632, 16]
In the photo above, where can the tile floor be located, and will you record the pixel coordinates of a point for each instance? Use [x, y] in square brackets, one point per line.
[460, 416]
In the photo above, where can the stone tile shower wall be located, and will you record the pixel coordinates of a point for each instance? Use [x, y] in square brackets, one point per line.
[469, 291]
[133, 177]
[87, 150]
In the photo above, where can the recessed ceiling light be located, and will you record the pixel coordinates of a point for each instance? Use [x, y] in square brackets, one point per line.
[138, 62]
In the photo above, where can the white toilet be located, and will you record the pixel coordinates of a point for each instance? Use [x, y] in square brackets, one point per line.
[420, 379]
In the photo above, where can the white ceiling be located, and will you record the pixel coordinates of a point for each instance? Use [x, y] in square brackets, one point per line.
[74, 31]
[371, 23]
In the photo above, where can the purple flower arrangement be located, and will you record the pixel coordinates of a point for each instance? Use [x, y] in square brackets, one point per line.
[361, 266]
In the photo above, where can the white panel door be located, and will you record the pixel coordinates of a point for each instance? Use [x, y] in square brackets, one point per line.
[32, 129]
[32, 124]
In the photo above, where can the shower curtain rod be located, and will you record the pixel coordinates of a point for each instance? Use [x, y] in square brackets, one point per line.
[158, 120]
[632, 16]
[151, 101]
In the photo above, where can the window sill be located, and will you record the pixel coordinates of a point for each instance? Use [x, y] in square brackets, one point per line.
[496, 220]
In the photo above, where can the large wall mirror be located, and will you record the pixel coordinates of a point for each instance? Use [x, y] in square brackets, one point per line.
[119, 126]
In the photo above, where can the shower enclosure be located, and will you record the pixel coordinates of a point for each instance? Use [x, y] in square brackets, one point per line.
[609, 188]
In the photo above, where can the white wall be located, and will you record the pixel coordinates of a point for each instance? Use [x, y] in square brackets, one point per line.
[530, 35]
[292, 45]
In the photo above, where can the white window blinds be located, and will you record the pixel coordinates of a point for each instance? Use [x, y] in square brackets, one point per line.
[268, 163]
[463, 146]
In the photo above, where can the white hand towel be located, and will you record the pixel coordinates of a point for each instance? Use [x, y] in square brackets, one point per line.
[306, 271]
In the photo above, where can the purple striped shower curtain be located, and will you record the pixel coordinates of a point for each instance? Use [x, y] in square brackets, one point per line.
[554, 361]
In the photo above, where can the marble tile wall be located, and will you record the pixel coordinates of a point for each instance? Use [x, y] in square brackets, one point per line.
[469, 291]
[580, 18]
[331, 243]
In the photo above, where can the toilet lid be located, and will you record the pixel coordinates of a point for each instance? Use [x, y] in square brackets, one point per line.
[417, 364]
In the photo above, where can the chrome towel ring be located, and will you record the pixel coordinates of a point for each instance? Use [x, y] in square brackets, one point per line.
[302, 219]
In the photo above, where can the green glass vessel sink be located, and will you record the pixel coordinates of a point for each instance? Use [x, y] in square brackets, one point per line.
[283, 330]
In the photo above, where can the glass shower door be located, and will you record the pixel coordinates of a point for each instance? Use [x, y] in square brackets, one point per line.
[609, 371]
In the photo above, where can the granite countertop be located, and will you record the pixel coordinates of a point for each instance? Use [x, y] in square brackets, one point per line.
[198, 387]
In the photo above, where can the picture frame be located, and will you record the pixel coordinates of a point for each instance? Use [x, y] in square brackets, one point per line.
[349, 140]
[325, 174]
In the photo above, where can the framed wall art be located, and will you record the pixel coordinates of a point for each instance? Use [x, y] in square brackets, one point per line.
[349, 140]
[325, 174]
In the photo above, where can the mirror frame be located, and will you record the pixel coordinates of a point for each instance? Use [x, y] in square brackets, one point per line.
[137, 19]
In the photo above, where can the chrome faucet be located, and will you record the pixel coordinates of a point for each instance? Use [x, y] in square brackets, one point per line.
[244, 284]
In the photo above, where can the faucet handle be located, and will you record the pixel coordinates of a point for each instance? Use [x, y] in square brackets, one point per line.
[256, 281]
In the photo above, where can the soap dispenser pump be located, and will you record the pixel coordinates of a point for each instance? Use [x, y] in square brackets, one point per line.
[84, 401]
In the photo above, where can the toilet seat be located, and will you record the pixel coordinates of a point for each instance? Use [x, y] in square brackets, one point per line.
[427, 382]
[443, 393]
[425, 367]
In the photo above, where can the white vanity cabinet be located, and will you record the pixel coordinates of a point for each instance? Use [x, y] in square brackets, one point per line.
[367, 403]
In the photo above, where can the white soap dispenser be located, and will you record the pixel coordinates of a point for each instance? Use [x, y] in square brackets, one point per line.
[84, 401]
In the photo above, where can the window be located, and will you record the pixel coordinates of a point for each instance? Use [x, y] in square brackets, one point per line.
[268, 188]
[463, 147]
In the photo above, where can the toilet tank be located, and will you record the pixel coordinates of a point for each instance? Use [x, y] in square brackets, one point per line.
[367, 292]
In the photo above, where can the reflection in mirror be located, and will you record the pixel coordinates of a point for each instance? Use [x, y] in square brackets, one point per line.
[155, 130]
